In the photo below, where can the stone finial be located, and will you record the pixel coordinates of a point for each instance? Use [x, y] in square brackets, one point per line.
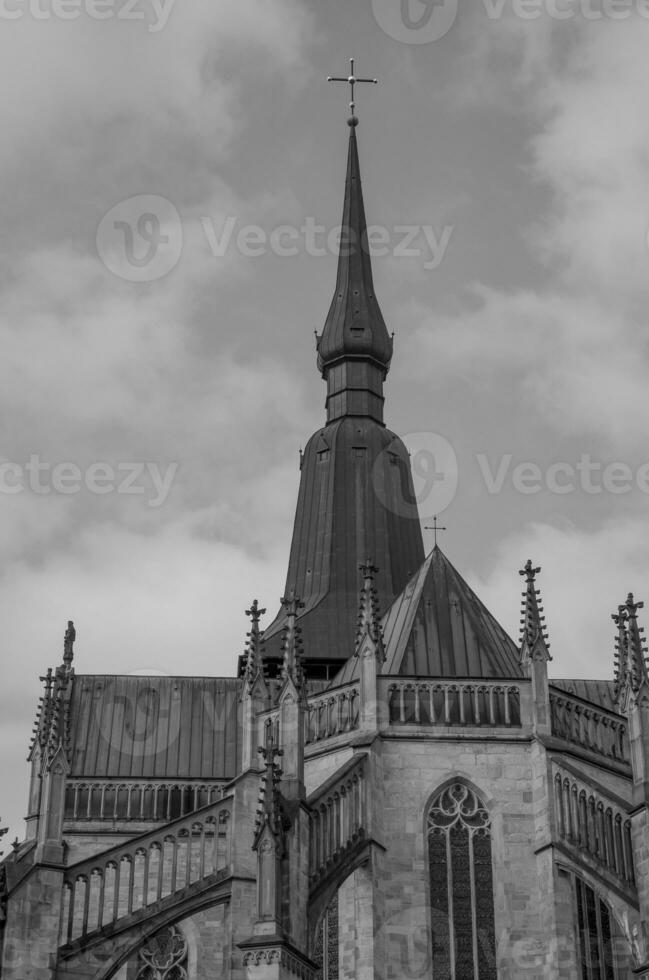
[637, 672]
[68, 644]
[534, 637]
[620, 618]
[254, 651]
[292, 667]
[369, 622]
[270, 811]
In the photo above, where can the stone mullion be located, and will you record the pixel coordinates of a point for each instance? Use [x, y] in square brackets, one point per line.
[118, 877]
[161, 867]
[492, 715]
[131, 883]
[145, 878]
[619, 848]
[188, 868]
[102, 892]
[558, 798]
[474, 906]
[70, 922]
[86, 905]
[174, 863]
[201, 854]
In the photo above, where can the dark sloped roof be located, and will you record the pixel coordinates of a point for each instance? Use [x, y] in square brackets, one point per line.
[356, 501]
[173, 727]
[597, 692]
[437, 627]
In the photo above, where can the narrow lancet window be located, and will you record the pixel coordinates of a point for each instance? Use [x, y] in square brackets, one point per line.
[461, 886]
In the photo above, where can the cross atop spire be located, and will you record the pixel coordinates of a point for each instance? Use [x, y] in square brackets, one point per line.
[534, 637]
[352, 80]
[435, 527]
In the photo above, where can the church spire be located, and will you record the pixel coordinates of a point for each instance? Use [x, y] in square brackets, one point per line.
[356, 491]
[354, 348]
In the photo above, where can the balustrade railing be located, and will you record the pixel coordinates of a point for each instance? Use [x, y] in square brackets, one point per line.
[594, 825]
[332, 713]
[339, 816]
[100, 891]
[452, 703]
[120, 800]
[592, 728]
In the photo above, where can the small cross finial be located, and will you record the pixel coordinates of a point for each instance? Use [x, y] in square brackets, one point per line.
[529, 571]
[435, 527]
[352, 80]
[255, 613]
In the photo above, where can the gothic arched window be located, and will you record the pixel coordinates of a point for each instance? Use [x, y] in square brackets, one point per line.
[596, 935]
[461, 886]
[163, 956]
[325, 954]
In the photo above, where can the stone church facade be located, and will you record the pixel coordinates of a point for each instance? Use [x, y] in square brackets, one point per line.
[389, 787]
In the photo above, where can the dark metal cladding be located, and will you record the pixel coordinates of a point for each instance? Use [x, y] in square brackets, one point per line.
[150, 727]
[354, 329]
[439, 628]
[356, 500]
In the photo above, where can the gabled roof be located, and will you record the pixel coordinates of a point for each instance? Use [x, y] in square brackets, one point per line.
[437, 627]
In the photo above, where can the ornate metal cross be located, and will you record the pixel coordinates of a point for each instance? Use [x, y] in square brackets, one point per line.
[435, 528]
[351, 80]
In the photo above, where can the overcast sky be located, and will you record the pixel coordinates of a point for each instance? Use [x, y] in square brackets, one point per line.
[143, 322]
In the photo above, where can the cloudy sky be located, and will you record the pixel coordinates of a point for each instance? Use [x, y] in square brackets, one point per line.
[172, 179]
